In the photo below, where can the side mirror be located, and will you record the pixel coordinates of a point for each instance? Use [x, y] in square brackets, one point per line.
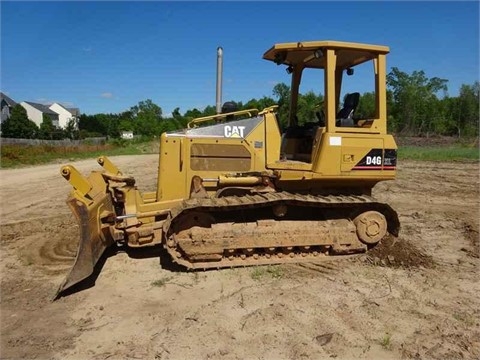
[349, 71]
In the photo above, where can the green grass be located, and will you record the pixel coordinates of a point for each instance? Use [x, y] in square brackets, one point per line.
[271, 271]
[386, 341]
[17, 156]
[439, 153]
[466, 318]
[161, 282]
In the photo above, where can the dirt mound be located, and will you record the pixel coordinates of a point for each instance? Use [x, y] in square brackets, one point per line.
[395, 252]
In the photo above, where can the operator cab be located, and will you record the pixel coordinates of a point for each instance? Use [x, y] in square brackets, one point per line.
[343, 110]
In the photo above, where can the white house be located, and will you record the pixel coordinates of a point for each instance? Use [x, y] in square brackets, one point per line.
[127, 135]
[65, 114]
[35, 113]
[7, 105]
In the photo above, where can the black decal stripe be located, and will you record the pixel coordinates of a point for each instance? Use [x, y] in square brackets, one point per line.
[367, 168]
[374, 168]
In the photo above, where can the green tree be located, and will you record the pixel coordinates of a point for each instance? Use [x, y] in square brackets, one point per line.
[18, 125]
[108, 124]
[192, 114]
[176, 113]
[462, 112]
[71, 129]
[467, 120]
[180, 120]
[259, 104]
[391, 121]
[209, 110]
[46, 128]
[366, 106]
[415, 107]
[92, 125]
[308, 105]
[282, 92]
[125, 121]
[147, 116]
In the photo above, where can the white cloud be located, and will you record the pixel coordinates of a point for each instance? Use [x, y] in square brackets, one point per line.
[106, 95]
[87, 48]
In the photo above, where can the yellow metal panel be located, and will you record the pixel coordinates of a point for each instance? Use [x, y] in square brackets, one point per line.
[373, 127]
[312, 45]
[328, 162]
[171, 174]
[330, 101]
[389, 142]
[272, 138]
[381, 93]
[302, 53]
[355, 148]
[218, 150]
[257, 144]
[291, 165]
[220, 164]
[158, 206]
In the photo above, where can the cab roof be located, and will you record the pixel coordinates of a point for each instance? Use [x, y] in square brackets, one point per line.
[348, 54]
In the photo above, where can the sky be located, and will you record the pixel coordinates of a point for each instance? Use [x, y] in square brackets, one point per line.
[105, 57]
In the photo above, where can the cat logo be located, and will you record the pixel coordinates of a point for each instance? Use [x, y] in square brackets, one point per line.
[233, 131]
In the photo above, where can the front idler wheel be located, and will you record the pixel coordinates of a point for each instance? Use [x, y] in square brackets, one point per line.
[371, 227]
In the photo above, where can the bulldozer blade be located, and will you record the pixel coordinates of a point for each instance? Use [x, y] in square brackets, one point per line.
[94, 238]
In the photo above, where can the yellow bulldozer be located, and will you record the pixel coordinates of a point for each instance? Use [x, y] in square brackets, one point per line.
[235, 190]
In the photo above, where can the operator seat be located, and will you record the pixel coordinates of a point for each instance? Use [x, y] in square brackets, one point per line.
[345, 115]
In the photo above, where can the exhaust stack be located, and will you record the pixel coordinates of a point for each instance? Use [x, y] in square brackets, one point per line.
[219, 79]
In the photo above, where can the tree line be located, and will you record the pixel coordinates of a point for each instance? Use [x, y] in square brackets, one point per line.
[416, 106]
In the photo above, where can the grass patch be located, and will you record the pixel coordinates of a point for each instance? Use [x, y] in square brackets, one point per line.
[439, 153]
[386, 341]
[260, 272]
[465, 318]
[160, 282]
[19, 155]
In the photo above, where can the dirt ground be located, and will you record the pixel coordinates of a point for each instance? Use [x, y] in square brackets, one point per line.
[413, 297]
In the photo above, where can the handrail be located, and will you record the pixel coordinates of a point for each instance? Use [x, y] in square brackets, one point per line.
[220, 116]
[272, 108]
